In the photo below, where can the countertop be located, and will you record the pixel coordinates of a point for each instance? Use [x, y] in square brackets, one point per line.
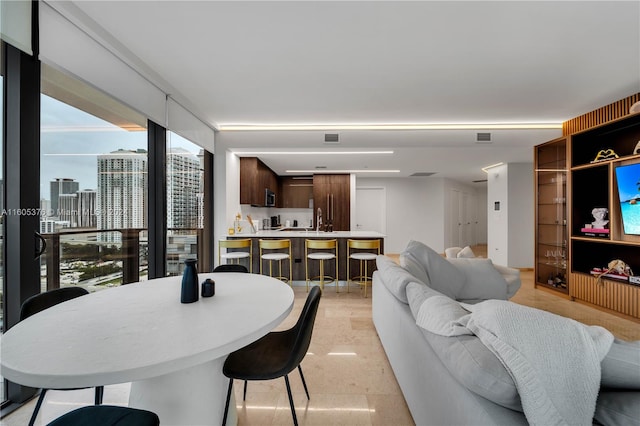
[301, 233]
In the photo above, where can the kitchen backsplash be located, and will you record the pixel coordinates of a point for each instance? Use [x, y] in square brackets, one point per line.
[303, 216]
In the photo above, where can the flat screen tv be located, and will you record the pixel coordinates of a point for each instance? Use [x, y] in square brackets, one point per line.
[628, 179]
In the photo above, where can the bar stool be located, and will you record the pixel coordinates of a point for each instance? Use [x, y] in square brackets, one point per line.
[274, 248]
[321, 256]
[355, 250]
[236, 255]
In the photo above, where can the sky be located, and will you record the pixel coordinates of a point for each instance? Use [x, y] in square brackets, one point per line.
[71, 140]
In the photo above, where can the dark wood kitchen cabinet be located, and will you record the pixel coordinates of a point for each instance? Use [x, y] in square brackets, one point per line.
[332, 194]
[297, 192]
[255, 178]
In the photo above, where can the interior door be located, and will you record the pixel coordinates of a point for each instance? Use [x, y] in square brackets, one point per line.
[371, 210]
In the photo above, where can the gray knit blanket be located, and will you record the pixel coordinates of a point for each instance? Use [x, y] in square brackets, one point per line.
[554, 361]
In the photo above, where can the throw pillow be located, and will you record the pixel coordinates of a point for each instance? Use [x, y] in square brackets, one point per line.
[466, 253]
[417, 293]
[621, 366]
[483, 281]
[439, 314]
[431, 268]
[394, 277]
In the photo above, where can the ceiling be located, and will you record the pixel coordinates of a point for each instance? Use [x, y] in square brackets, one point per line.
[334, 63]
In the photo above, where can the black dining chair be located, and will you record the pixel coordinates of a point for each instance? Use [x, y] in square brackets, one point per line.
[231, 267]
[40, 302]
[107, 415]
[274, 355]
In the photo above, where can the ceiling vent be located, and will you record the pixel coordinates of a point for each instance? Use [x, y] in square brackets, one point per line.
[483, 137]
[423, 174]
[331, 138]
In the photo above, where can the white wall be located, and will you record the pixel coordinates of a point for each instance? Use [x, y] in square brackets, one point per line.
[521, 215]
[498, 220]
[482, 214]
[510, 229]
[414, 211]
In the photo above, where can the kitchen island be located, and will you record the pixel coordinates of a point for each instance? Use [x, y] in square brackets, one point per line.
[298, 237]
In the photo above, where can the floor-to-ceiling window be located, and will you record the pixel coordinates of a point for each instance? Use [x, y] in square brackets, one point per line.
[3, 394]
[93, 186]
[185, 201]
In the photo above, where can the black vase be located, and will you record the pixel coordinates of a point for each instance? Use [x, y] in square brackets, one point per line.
[189, 293]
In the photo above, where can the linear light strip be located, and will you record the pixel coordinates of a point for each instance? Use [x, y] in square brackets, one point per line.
[424, 126]
[318, 171]
[486, 169]
[312, 152]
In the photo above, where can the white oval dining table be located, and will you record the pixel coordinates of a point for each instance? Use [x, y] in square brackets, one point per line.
[171, 352]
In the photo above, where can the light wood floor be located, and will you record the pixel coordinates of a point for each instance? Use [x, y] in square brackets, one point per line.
[347, 372]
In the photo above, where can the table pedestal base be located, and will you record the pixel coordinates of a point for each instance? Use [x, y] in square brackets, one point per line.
[193, 396]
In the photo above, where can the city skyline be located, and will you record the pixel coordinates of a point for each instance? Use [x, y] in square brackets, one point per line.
[120, 201]
[72, 140]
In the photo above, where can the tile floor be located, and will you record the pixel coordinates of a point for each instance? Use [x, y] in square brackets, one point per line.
[349, 378]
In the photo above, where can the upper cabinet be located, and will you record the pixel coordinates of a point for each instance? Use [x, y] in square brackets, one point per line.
[331, 193]
[297, 192]
[255, 179]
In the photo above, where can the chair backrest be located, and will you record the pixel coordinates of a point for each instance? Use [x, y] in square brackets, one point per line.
[274, 244]
[364, 244]
[304, 327]
[42, 301]
[321, 244]
[235, 243]
[231, 267]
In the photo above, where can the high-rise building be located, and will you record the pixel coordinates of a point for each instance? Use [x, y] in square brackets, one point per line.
[122, 192]
[58, 187]
[68, 209]
[183, 186]
[87, 201]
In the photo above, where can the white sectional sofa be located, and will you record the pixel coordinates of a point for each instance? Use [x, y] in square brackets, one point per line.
[458, 380]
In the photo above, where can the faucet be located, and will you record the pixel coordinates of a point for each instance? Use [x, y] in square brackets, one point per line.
[319, 220]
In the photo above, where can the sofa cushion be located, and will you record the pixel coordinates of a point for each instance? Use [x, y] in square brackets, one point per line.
[483, 281]
[417, 293]
[432, 269]
[394, 277]
[615, 408]
[621, 366]
[466, 357]
[439, 315]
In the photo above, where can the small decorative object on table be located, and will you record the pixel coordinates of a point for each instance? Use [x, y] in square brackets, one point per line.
[189, 293]
[616, 269]
[208, 288]
[599, 226]
[604, 155]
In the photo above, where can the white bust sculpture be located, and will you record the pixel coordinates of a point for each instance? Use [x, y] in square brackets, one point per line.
[599, 214]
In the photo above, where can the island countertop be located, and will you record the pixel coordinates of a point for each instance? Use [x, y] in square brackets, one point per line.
[298, 237]
[301, 233]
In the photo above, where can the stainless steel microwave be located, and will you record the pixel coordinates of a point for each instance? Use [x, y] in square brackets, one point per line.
[269, 198]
